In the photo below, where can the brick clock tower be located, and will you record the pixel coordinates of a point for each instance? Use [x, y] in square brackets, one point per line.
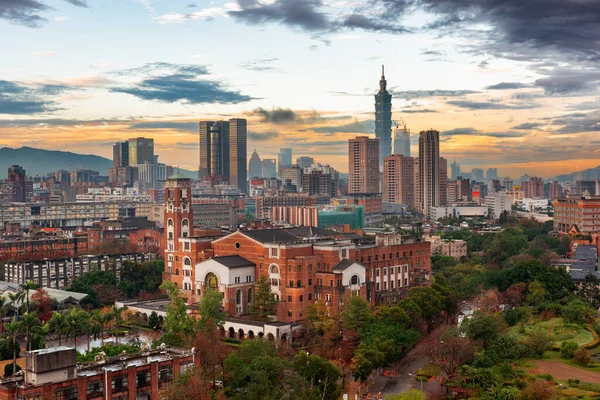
[179, 226]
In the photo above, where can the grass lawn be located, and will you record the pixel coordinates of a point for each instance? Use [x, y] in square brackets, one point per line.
[556, 329]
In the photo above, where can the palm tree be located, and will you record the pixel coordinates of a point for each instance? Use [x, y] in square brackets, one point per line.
[96, 327]
[117, 311]
[27, 286]
[57, 325]
[83, 321]
[2, 309]
[17, 298]
[13, 328]
[41, 331]
[28, 322]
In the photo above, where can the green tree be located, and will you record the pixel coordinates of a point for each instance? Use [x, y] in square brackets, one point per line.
[178, 325]
[484, 328]
[568, 349]
[576, 312]
[38, 336]
[16, 300]
[211, 310]
[13, 328]
[264, 300]
[429, 302]
[538, 343]
[356, 313]
[320, 375]
[589, 289]
[153, 320]
[117, 312]
[57, 325]
[27, 286]
[412, 394]
[28, 322]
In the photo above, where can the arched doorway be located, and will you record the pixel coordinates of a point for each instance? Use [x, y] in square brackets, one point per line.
[250, 334]
[232, 333]
[241, 335]
[270, 337]
[284, 337]
[211, 281]
[261, 335]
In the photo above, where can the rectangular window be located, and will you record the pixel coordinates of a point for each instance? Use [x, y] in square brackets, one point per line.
[310, 282]
[344, 253]
[399, 283]
[377, 272]
[290, 268]
[318, 266]
[299, 283]
[300, 313]
[398, 255]
[309, 267]
[248, 278]
[301, 298]
[165, 374]
[383, 256]
[369, 258]
[391, 284]
[142, 379]
[406, 268]
[376, 257]
[261, 266]
[405, 281]
[377, 284]
[289, 299]
[68, 393]
[385, 272]
[274, 252]
[339, 282]
[299, 268]
[291, 283]
[237, 279]
[384, 285]
[290, 313]
[331, 283]
[391, 270]
[309, 296]
[94, 388]
[327, 297]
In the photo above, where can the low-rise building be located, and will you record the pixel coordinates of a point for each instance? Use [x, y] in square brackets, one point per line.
[436, 213]
[448, 247]
[580, 211]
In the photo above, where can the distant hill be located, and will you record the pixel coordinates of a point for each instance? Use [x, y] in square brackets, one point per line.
[585, 175]
[41, 162]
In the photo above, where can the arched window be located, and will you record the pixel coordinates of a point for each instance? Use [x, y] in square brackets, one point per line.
[211, 281]
[355, 280]
[238, 297]
[274, 270]
[187, 262]
[185, 222]
[170, 222]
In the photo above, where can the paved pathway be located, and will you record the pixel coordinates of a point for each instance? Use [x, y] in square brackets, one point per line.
[562, 371]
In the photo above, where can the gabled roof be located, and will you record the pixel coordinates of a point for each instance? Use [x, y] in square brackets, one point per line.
[342, 265]
[233, 261]
[270, 236]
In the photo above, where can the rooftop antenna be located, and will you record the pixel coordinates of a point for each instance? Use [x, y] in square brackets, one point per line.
[382, 71]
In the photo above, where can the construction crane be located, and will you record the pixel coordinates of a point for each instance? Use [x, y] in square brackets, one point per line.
[404, 127]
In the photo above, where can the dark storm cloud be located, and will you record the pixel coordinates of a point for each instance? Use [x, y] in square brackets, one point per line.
[262, 136]
[276, 115]
[178, 83]
[17, 98]
[361, 21]
[528, 126]
[27, 12]
[303, 14]
[490, 105]
[508, 85]
[415, 94]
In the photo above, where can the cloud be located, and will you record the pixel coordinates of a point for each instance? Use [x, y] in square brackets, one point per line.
[27, 12]
[528, 126]
[167, 125]
[490, 105]
[276, 115]
[461, 131]
[578, 122]
[17, 98]
[61, 19]
[178, 83]
[354, 127]
[361, 21]
[416, 110]
[569, 82]
[507, 85]
[415, 94]
[48, 53]
[205, 14]
[473, 131]
[262, 136]
[303, 14]
[57, 122]
[260, 64]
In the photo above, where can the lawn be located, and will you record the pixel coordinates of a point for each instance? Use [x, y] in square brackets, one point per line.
[557, 329]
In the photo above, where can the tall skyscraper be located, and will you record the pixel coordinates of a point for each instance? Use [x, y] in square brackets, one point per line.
[399, 180]
[238, 171]
[320, 180]
[284, 159]
[141, 151]
[383, 118]
[363, 165]
[304, 162]
[477, 175]
[429, 171]
[120, 154]
[455, 168]
[269, 168]
[255, 166]
[443, 181]
[402, 141]
[491, 173]
[223, 151]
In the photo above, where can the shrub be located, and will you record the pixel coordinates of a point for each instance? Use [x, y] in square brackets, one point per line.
[597, 328]
[568, 349]
[514, 316]
[546, 377]
[575, 312]
[538, 343]
[582, 357]
[8, 369]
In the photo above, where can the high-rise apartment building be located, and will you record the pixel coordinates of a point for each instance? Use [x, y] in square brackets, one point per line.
[255, 166]
[223, 151]
[363, 165]
[141, 151]
[399, 180]
[443, 181]
[292, 173]
[534, 187]
[402, 141]
[120, 154]
[284, 159]
[491, 173]
[383, 118]
[429, 171]
[16, 185]
[304, 162]
[455, 171]
[320, 180]
[269, 168]
[477, 175]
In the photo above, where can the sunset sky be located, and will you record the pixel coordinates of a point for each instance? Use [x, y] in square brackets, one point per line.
[511, 84]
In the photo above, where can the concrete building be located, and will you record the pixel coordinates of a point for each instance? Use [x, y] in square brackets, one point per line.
[532, 205]
[579, 211]
[458, 212]
[141, 151]
[151, 176]
[455, 171]
[477, 175]
[428, 184]
[298, 216]
[292, 173]
[265, 204]
[491, 173]
[320, 180]
[304, 162]
[402, 141]
[498, 203]
[363, 165]
[557, 191]
[398, 180]
[214, 214]
[121, 154]
[372, 205]
[55, 374]
[534, 187]
[383, 119]
[446, 247]
[284, 159]
[255, 166]
[269, 168]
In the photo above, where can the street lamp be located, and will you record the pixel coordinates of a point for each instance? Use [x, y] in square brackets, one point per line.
[420, 380]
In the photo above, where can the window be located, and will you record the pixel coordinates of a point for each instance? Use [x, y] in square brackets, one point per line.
[187, 262]
[398, 255]
[290, 313]
[377, 286]
[384, 271]
[165, 374]
[309, 267]
[170, 257]
[299, 283]
[310, 282]
[289, 299]
[391, 270]
[405, 281]
[404, 254]
[261, 266]
[384, 285]
[391, 256]
[327, 297]
[376, 257]
[170, 235]
[186, 246]
[406, 268]
[248, 278]
[377, 272]
[369, 258]
[94, 388]
[237, 279]
[309, 296]
[274, 252]
[344, 253]
[274, 269]
[299, 268]
[290, 268]
[410, 253]
[238, 297]
[300, 313]
[391, 284]
[399, 283]
[237, 245]
[331, 283]
[301, 298]
[318, 266]
[339, 282]
[291, 284]
[354, 280]
[68, 393]
[383, 256]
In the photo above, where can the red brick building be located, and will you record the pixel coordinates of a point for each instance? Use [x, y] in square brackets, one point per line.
[46, 243]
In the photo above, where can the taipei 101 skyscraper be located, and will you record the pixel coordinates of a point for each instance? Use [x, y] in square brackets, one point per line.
[383, 119]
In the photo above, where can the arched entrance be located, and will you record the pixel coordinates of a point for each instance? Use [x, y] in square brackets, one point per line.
[284, 337]
[270, 337]
[260, 335]
[211, 281]
[241, 335]
[250, 334]
[232, 333]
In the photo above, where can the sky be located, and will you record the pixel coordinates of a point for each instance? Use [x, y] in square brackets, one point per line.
[510, 84]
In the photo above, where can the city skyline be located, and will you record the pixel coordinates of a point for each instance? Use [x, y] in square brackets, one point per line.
[521, 100]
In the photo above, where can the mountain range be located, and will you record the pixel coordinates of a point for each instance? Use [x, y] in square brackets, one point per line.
[41, 162]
